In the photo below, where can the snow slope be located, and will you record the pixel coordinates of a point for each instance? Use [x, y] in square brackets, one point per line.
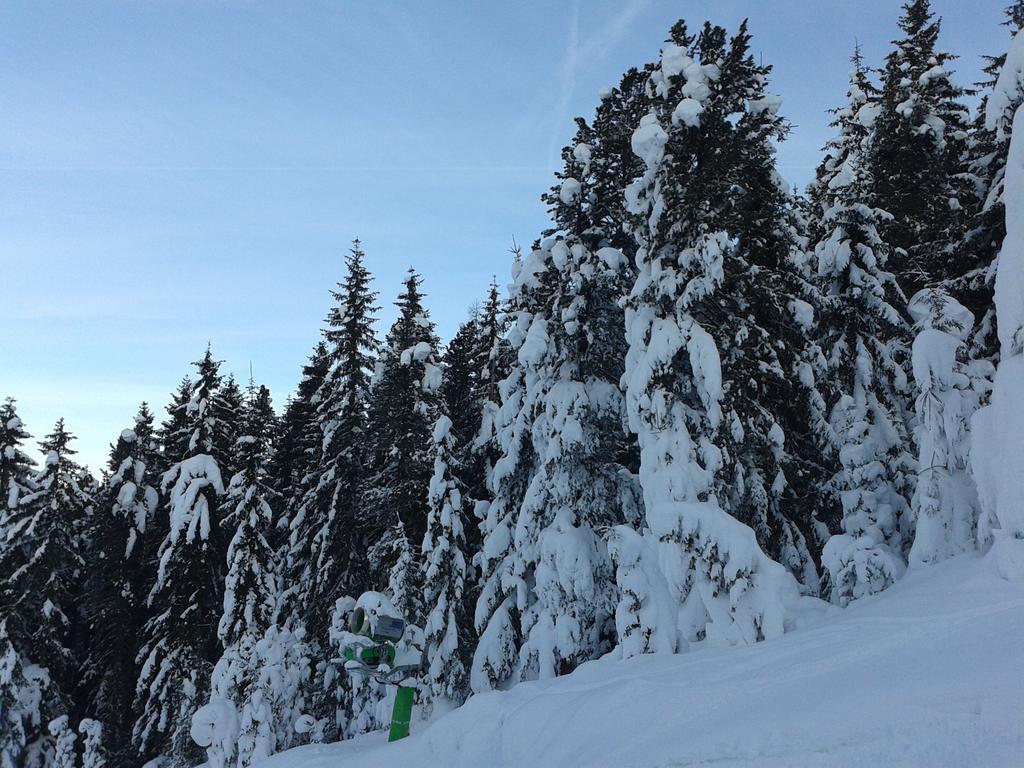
[928, 673]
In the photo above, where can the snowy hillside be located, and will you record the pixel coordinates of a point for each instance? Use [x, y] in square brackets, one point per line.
[928, 673]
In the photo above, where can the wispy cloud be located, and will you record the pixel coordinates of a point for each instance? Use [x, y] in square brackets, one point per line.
[583, 53]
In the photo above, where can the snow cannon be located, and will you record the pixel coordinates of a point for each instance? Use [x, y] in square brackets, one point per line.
[376, 643]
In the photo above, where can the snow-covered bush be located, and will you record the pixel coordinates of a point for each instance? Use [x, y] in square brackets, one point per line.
[945, 503]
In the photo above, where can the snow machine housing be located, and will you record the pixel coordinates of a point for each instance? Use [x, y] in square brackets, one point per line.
[388, 629]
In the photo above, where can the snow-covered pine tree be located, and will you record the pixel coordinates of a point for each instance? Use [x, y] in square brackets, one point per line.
[174, 432]
[448, 627]
[42, 593]
[331, 518]
[945, 503]
[117, 584]
[22, 684]
[15, 464]
[297, 446]
[598, 165]
[329, 529]
[250, 589]
[694, 338]
[230, 408]
[492, 359]
[846, 152]
[565, 470]
[180, 644]
[917, 154]
[864, 340]
[974, 283]
[171, 440]
[769, 401]
[462, 394]
[460, 384]
[403, 411]
[505, 434]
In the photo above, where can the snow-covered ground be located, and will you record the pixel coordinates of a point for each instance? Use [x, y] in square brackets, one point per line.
[928, 673]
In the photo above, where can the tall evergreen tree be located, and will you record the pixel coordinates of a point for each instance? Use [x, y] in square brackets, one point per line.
[491, 362]
[448, 627]
[864, 339]
[332, 519]
[180, 639]
[42, 593]
[15, 464]
[326, 552]
[564, 470]
[22, 683]
[295, 437]
[117, 584]
[230, 412]
[250, 590]
[403, 410]
[713, 325]
[174, 432]
[460, 385]
[917, 154]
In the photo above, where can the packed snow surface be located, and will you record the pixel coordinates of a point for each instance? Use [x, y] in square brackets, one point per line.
[927, 673]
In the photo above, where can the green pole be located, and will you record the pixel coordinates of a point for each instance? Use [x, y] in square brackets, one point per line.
[402, 713]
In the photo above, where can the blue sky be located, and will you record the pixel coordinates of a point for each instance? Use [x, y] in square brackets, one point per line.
[174, 172]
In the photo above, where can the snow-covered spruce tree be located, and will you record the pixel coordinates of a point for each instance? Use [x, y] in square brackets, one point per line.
[229, 411]
[945, 502]
[846, 153]
[917, 154]
[564, 476]
[250, 588]
[505, 435]
[171, 438]
[328, 532]
[43, 590]
[461, 381]
[180, 644]
[770, 400]
[403, 411]
[761, 312]
[174, 433]
[297, 447]
[331, 518]
[15, 464]
[973, 284]
[864, 340]
[464, 395]
[996, 458]
[117, 584]
[492, 359]
[647, 611]
[587, 199]
[448, 626]
[707, 435]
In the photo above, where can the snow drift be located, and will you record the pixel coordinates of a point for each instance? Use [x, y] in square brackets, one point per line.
[926, 673]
